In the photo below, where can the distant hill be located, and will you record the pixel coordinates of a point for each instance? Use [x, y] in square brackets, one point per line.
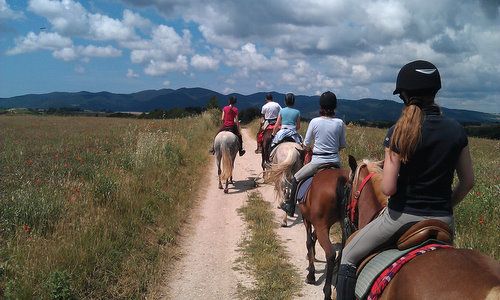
[369, 110]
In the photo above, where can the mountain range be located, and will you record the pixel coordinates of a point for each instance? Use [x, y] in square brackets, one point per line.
[350, 110]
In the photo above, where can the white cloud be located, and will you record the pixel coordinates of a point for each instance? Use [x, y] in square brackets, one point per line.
[95, 51]
[44, 40]
[65, 54]
[204, 62]
[67, 17]
[156, 68]
[166, 83]
[248, 58]
[131, 74]
[7, 13]
[227, 90]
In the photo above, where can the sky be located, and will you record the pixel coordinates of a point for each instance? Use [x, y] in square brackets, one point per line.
[353, 48]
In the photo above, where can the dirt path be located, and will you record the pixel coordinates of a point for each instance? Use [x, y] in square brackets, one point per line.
[209, 246]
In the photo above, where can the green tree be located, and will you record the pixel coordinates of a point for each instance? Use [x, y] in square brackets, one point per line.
[213, 103]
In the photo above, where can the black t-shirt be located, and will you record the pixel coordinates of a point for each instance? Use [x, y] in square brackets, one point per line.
[424, 182]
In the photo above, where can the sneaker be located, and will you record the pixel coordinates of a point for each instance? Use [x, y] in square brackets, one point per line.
[242, 152]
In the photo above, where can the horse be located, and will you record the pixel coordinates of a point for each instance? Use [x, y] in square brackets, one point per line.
[266, 146]
[285, 162]
[448, 273]
[320, 210]
[226, 146]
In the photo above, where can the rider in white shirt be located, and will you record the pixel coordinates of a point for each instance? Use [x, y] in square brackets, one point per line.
[269, 115]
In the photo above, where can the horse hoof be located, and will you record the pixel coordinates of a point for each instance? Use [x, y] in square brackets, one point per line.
[220, 188]
[310, 280]
[283, 224]
[226, 191]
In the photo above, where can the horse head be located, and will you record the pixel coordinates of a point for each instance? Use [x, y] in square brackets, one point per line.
[366, 196]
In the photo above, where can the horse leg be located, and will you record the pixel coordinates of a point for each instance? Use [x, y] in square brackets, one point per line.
[218, 173]
[323, 234]
[314, 239]
[311, 278]
[226, 189]
[231, 180]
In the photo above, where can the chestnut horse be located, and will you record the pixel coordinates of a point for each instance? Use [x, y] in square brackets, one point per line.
[266, 147]
[320, 210]
[226, 146]
[441, 274]
[285, 162]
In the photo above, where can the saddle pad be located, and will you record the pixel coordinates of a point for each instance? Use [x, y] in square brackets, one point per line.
[377, 265]
[302, 189]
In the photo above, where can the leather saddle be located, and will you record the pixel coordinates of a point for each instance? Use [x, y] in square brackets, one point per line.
[417, 234]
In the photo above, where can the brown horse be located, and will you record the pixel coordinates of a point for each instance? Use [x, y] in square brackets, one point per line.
[266, 147]
[320, 211]
[441, 274]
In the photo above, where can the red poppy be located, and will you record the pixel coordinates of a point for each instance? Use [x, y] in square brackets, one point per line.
[26, 228]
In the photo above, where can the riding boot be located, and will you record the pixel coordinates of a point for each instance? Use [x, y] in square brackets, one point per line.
[289, 205]
[346, 282]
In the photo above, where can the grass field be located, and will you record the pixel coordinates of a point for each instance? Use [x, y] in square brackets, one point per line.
[89, 206]
[477, 218]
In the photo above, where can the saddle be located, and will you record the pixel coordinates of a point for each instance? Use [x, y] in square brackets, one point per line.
[304, 185]
[416, 237]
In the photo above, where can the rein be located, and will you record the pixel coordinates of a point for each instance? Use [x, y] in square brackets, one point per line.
[355, 196]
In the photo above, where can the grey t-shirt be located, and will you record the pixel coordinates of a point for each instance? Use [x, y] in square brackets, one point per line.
[328, 136]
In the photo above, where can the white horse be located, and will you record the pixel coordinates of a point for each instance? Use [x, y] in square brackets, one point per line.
[286, 160]
[226, 146]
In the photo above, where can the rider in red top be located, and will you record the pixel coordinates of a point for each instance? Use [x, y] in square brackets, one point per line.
[230, 122]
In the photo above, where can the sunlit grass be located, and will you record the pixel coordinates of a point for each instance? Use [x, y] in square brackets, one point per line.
[90, 206]
[264, 255]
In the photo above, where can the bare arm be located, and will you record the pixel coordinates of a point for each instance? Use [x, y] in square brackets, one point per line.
[391, 172]
[465, 177]
[297, 124]
[277, 126]
[237, 121]
[222, 117]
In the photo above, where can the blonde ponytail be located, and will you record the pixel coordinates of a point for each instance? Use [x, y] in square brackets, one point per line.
[407, 132]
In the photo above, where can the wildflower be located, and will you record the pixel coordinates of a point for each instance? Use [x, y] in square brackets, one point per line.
[481, 220]
[29, 162]
[26, 228]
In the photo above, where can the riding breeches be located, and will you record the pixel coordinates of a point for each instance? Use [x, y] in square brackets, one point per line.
[380, 230]
[309, 170]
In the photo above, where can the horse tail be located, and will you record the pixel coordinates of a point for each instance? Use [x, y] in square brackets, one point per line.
[278, 174]
[227, 162]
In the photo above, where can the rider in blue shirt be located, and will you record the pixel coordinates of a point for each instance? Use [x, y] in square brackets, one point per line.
[288, 122]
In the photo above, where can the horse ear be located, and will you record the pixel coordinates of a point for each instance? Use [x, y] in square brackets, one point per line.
[352, 163]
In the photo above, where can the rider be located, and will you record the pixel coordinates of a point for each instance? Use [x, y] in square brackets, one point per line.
[288, 122]
[269, 115]
[422, 152]
[328, 135]
[231, 123]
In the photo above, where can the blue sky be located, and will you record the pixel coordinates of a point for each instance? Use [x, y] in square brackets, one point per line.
[354, 48]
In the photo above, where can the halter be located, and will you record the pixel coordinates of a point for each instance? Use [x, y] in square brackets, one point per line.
[355, 196]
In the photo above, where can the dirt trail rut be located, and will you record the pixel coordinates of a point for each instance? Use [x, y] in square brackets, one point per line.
[209, 244]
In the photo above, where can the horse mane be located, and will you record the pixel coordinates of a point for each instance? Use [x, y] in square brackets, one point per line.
[376, 167]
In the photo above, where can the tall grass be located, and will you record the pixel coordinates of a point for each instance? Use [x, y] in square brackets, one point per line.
[89, 206]
[477, 217]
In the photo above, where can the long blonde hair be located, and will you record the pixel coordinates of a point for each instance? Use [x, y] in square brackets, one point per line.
[408, 130]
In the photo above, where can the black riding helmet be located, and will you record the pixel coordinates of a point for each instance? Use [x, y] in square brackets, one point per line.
[328, 100]
[419, 75]
[289, 99]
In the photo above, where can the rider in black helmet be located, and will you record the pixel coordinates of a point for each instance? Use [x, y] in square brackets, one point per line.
[422, 152]
[327, 133]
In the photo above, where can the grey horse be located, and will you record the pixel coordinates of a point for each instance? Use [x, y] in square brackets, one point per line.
[226, 146]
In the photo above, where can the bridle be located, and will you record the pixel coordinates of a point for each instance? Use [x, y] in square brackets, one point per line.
[356, 191]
